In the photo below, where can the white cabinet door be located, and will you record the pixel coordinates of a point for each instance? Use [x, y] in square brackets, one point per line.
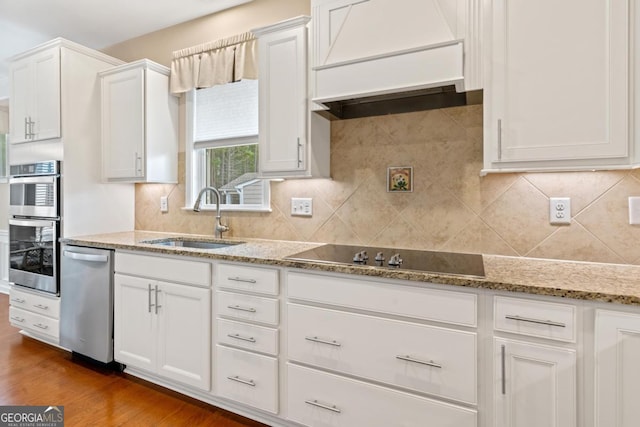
[283, 101]
[535, 385]
[617, 386]
[134, 322]
[184, 334]
[35, 97]
[123, 125]
[557, 95]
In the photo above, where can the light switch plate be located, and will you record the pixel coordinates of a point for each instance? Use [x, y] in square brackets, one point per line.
[634, 210]
[301, 206]
[164, 204]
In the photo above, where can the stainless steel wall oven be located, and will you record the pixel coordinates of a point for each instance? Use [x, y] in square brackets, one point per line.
[34, 226]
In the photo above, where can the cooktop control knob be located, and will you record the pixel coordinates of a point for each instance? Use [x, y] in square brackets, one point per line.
[379, 259]
[361, 257]
[395, 261]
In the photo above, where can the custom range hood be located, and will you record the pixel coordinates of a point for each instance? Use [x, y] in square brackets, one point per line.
[375, 57]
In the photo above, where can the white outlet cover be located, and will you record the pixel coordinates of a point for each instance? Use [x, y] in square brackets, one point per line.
[301, 206]
[559, 210]
[164, 204]
[634, 210]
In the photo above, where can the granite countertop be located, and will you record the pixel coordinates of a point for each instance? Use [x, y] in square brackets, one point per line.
[570, 279]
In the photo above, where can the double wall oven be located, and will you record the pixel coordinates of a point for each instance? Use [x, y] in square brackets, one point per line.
[34, 226]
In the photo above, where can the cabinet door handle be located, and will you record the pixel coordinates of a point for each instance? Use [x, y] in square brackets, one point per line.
[299, 149]
[18, 319]
[503, 369]
[422, 362]
[240, 279]
[326, 406]
[240, 337]
[240, 308]
[18, 300]
[322, 341]
[537, 321]
[157, 305]
[41, 326]
[26, 123]
[150, 304]
[138, 164]
[41, 306]
[499, 139]
[242, 380]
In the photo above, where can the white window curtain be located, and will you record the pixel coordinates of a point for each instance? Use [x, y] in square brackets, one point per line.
[215, 63]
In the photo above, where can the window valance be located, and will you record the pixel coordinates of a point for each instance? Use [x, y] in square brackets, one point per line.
[214, 63]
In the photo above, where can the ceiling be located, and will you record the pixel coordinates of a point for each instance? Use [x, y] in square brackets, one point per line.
[93, 23]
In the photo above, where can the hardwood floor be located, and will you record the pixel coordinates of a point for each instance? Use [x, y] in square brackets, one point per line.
[33, 373]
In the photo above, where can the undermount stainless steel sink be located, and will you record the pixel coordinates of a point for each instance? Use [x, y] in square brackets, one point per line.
[195, 244]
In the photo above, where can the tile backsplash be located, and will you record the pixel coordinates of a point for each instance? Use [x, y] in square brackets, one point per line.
[451, 207]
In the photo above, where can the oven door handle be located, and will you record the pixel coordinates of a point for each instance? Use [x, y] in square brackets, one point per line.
[32, 222]
[48, 179]
[85, 257]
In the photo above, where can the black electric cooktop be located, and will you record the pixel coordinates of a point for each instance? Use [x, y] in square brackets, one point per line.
[403, 259]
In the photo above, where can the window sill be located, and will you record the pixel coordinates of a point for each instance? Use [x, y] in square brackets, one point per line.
[238, 208]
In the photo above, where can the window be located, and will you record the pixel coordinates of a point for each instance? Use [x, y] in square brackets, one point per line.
[223, 147]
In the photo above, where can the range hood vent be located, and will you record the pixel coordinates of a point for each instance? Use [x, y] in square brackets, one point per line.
[396, 103]
[375, 57]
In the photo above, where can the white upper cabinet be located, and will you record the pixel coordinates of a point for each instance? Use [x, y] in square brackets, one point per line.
[293, 142]
[557, 92]
[35, 96]
[139, 124]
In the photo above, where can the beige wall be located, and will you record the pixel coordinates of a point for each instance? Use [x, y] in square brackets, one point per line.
[451, 208]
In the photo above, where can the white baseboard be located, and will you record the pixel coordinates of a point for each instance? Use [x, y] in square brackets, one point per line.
[5, 287]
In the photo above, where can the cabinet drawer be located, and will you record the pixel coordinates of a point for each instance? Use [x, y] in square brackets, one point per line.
[163, 268]
[35, 322]
[251, 337]
[48, 306]
[247, 377]
[321, 399]
[255, 279]
[411, 301]
[535, 318]
[247, 307]
[428, 359]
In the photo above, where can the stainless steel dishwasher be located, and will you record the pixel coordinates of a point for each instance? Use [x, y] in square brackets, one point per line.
[86, 302]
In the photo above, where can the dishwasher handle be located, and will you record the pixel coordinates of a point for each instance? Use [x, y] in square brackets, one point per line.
[85, 257]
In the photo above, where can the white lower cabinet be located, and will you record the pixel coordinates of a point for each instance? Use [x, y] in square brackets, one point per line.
[35, 313]
[382, 366]
[617, 382]
[247, 378]
[427, 359]
[535, 385]
[322, 399]
[163, 328]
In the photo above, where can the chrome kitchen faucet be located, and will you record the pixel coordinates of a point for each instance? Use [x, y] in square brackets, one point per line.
[196, 207]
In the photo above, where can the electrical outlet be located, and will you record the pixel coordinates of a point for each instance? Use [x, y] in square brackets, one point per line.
[301, 206]
[164, 204]
[560, 210]
[634, 210]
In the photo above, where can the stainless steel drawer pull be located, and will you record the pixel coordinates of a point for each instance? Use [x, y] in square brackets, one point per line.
[240, 279]
[503, 369]
[19, 300]
[242, 380]
[41, 326]
[18, 319]
[321, 341]
[157, 305]
[422, 362]
[240, 337]
[41, 307]
[149, 301]
[537, 321]
[323, 405]
[240, 308]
